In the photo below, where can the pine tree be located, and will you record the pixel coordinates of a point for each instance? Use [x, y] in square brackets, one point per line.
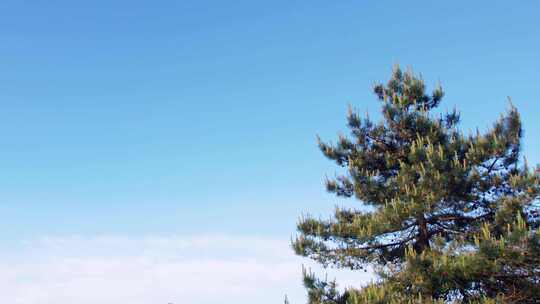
[451, 217]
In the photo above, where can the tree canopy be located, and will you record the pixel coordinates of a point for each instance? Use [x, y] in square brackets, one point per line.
[453, 217]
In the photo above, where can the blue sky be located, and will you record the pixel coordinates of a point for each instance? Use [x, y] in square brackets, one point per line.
[152, 118]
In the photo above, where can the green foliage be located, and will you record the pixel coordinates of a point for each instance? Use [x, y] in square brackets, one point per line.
[454, 217]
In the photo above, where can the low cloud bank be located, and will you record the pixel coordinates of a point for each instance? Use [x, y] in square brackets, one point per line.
[154, 270]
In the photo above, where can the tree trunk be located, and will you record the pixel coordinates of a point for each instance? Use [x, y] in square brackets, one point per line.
[422, 240]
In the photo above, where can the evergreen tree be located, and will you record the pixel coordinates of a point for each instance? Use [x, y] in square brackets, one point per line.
[453, 217]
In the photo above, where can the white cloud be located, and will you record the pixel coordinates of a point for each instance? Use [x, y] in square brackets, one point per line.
[153, 270]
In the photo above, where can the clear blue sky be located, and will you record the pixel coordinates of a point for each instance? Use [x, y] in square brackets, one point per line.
[180, 117]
